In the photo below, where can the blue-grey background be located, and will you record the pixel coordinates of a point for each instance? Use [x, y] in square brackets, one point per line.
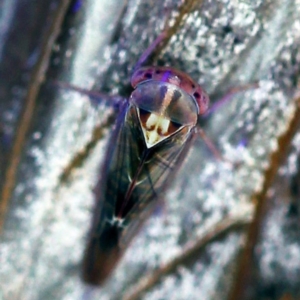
[220, 44]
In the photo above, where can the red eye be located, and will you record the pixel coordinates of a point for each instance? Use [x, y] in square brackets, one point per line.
[141, 75]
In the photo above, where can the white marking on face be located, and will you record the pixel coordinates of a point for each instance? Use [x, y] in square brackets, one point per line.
[156, 127]
[167, 99]
[159, 131]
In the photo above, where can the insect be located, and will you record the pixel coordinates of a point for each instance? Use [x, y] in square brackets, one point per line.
[154, 131]
[153, 134]
[43, 288]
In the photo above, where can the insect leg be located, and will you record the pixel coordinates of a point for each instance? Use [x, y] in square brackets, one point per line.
[95, 96]
[210, 144]
[219, 103]
[150, 50]
[187, 7]
[213, 148]
[231, 92]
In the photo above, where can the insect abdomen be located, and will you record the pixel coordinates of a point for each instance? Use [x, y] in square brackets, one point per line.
[101, 255]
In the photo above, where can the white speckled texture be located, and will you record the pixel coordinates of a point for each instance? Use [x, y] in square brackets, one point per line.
[221, 44]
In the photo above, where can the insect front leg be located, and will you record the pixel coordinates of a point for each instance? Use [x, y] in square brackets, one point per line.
[228, 96]
[210, 144]
[95, 97]
[150, 50]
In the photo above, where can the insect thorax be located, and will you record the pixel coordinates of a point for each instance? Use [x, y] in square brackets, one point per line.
[163, 109]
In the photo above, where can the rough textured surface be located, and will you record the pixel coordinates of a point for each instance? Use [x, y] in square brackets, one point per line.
[220, 44]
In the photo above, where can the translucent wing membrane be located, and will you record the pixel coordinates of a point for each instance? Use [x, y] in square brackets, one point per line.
[153, 134]
[135, 176]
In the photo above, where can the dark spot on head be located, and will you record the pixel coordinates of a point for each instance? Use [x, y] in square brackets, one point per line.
[157, 72]
[148, 75]
[193, 86]
[196, 95]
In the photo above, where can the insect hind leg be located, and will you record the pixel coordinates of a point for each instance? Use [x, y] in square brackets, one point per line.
[230, 93]
[228, 96]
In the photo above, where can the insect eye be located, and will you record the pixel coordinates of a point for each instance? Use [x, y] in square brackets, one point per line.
[173, 126]
[196, 95]
[148, 75]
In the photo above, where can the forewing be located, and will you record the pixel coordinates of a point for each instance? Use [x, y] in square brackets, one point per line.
[122, 158]
[134, 178]
[157, 175]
